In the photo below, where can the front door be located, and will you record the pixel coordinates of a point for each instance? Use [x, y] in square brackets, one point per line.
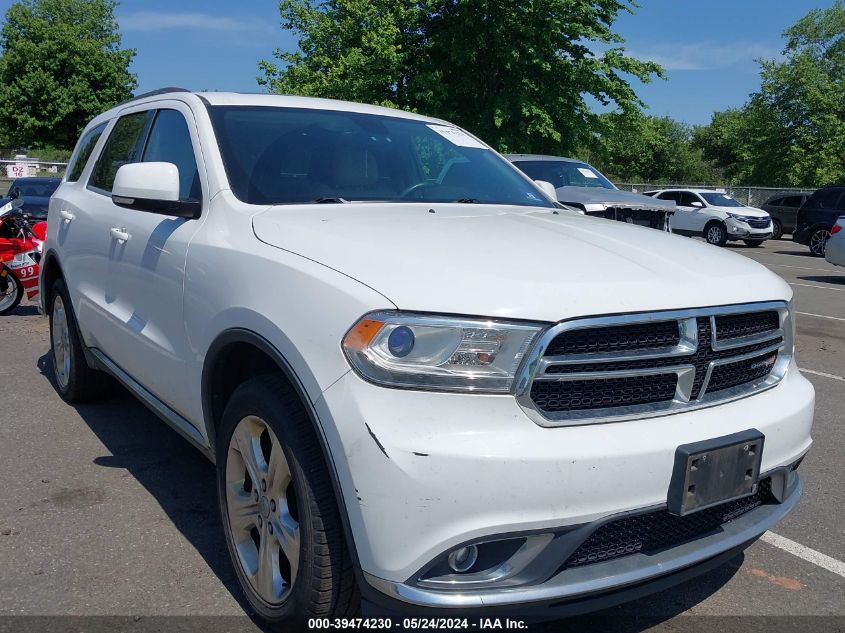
[144, 263]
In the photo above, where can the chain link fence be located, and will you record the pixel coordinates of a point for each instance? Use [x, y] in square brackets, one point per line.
[750, 196]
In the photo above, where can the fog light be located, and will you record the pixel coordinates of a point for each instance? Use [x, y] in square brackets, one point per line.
[463, 559]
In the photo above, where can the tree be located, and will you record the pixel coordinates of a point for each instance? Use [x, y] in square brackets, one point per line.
[792, 130]
[61, 65]
[515, 73]
[650, 149]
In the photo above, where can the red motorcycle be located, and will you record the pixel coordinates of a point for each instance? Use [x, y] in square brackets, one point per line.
[20, 256]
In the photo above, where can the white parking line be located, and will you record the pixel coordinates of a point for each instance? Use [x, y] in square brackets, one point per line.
[821, 316]
[810, 555]
[822, 373]
[821, 270]
[820, 287]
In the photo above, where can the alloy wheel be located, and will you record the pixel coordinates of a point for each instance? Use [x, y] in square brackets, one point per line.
[818, 241]
[262, 510]
[61, 343]
[714, 234]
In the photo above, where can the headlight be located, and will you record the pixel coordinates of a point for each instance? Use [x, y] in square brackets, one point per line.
[740, 218]
[441, 353]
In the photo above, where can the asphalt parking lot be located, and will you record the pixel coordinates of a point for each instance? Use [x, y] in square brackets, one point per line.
[106, 511]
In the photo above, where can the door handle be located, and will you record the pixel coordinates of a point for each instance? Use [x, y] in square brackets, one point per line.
[119, 235]
[67, 216]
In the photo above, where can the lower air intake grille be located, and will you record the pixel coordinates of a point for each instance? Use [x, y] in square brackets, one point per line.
[659, 530]
[575, 395]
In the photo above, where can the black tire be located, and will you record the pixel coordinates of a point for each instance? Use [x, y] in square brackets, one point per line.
[818, 241]
[325, 584]
[716, 234]
[82, 383]
[777, 229]
[15, 285]
[753, 243]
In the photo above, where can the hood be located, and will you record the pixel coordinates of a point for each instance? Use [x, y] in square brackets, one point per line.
[752, 212]
[514, 262]
[612, 197]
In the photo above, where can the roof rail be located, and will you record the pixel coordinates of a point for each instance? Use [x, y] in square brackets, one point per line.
[153, 93]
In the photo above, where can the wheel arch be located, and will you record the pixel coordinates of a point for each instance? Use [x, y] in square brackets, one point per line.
[250, 351]
[51, 270]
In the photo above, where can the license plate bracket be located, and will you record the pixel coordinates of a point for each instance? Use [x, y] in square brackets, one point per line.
[715, 471]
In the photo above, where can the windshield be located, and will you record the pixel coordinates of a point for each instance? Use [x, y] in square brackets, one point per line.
[719, 199]
[564, 173]
[278, 155]
[35, 188]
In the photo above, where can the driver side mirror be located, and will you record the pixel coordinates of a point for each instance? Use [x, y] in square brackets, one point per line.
[696, 204]
[547, 188]
[14, 194]
[152, 187]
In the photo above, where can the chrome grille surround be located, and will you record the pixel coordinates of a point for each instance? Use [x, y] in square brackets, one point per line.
[536, 363]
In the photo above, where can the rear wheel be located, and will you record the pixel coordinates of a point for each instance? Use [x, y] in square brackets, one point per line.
[280, 516]
[75, 380]
[777, 229]
[716, 234]
[818, 241]
[11, 292]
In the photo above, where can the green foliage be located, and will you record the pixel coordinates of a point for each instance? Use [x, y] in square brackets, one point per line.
[641, 148]
[791, 131]
[515, 73]
[61, 65]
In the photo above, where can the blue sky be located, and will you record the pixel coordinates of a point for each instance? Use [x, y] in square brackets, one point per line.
[707, 47]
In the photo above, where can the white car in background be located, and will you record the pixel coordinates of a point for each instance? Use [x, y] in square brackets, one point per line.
[716, 216]
[834, 251]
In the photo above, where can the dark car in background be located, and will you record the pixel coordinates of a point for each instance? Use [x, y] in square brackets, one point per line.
[583, 187]
[35, 193]
[817, 216]
[783, 208]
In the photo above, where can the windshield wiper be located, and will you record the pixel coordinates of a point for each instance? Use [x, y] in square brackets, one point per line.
[329, 201]
[468, 201]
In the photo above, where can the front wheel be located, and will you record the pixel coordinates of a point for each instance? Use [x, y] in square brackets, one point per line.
[716, 234]
[280, 517]
[818, 242]
[11, 292]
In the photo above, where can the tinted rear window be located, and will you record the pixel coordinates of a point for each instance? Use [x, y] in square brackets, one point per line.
[825, 199]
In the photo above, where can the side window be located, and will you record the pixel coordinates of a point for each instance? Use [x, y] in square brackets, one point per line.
[83, 152]
[121, 148]
[669, 195]
[170, 142]
[686, 199]
[791, 201]
[825, 199]
[778, 202]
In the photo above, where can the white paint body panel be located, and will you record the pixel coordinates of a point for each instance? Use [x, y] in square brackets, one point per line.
[456, 466]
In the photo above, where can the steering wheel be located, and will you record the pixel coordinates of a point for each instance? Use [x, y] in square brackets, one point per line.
[417, 186]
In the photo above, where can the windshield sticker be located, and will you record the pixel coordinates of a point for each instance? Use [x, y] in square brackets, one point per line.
[589, 173]
[456, 136]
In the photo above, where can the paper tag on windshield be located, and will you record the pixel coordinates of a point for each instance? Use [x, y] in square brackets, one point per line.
[456, 136]
[588, 173]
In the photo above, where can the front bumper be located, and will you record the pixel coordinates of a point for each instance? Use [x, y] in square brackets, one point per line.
[423, 473]
[742, 231]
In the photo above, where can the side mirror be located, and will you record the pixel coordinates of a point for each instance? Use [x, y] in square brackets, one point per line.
[547, 188]
[14, 194]
[152, 187]
[696, 204]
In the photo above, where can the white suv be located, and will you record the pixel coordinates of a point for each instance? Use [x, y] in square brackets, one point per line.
[716, 216]
[422, 383]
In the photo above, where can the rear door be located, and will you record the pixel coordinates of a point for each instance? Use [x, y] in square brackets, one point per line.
[681, 221]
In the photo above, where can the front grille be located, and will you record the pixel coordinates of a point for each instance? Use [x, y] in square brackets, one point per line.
[730, 326]
[655, 531]
[759, 223]
[655, 364]
[615, 339]
[599, 394]
[733, 374]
